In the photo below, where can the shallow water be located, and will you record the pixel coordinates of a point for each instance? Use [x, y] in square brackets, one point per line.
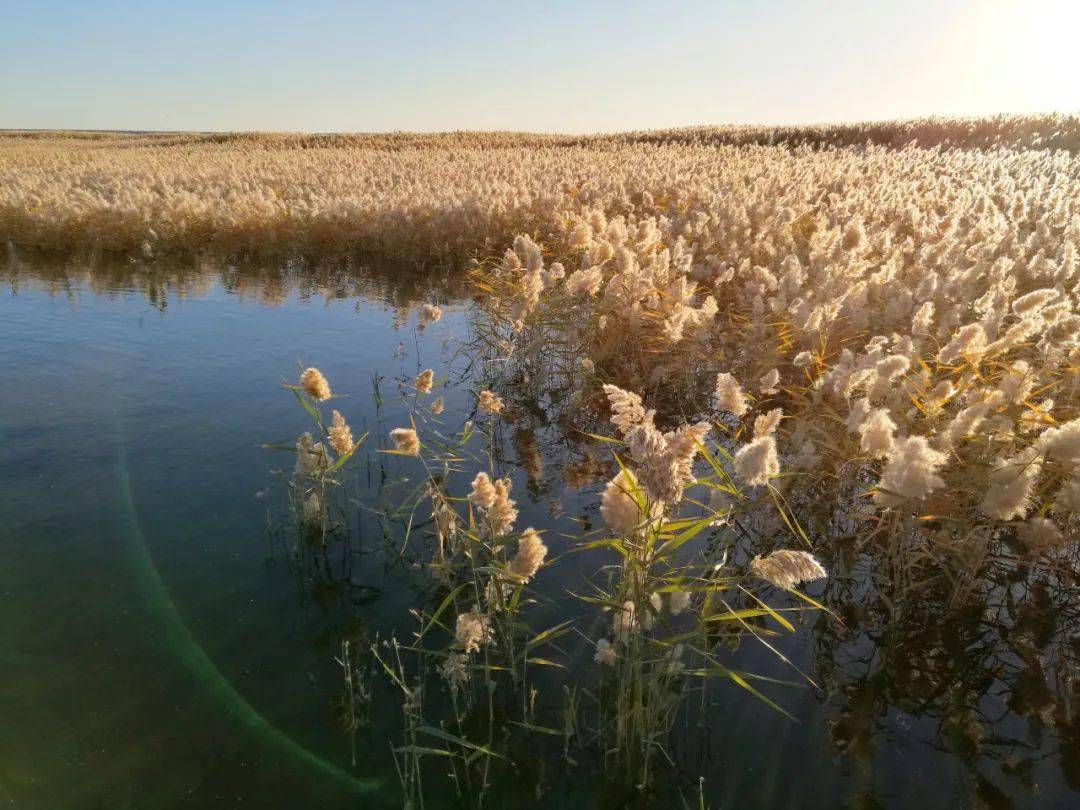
[161, 647]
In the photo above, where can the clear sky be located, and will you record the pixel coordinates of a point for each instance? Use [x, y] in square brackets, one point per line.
[332, 65]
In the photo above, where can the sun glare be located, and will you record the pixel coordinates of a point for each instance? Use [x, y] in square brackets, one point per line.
[1021, 56]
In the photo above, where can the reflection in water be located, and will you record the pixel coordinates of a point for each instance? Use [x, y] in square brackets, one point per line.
[986, 665]
[972, 659]
[403, 286]
[96, 672]
[953, 680]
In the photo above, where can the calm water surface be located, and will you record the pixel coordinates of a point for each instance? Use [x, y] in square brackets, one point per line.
[161, 647]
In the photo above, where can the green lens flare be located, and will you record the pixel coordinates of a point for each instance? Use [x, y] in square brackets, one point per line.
[195, 658]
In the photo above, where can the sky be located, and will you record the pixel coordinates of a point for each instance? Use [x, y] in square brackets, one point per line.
[333, 65]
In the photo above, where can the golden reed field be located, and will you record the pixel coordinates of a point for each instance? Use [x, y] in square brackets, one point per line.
[800, 333]
[899, 298]
[442, 195]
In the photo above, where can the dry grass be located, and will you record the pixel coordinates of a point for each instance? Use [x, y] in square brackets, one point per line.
[447, 196]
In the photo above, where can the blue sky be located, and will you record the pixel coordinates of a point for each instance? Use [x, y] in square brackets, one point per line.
[330, 65]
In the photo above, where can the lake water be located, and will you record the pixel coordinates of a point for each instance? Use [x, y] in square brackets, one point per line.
[161, 644]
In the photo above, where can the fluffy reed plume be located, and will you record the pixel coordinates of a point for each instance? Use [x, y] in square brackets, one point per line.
[405, 441]
[424, 380]
[967, 421]
[876, 433]
[619, 504]
[1040, 534]
[490, 402]
[340, 435]
[665, 459]
[757, 462]
[1068, 497]
[968, 343]
[766, 424]
[728, 395]
[455, 670]
[787, 568]
[668, 466]
[429, 313]
[1033, 301]
[483, 491]
[311, 459]
[910, 472]
[1016, 385]
[585, 282]
[627, 411]
[472, 630]
[860, 409]
[768, 383]
[502, 512]
[314, 384]
[1011, 482]
[493, 498]
[605, 653]
[529, 557]
[625, 621]
[1062, 444]
[678, 601]
[436, 406]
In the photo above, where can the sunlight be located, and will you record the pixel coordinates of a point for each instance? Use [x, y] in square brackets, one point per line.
[1022, 56]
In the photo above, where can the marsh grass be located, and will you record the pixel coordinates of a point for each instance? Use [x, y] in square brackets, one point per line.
[868, 355]
[523, 689]
[653, 629]
[445, 197]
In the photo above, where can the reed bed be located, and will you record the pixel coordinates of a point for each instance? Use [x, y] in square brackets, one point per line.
[448, 196]
[869, 331]
[475, 680]
[897, 327]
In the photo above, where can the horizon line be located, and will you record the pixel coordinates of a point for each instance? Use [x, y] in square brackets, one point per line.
[744, 125]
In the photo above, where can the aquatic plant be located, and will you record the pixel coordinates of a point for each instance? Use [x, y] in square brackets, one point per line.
[456, 195]
[933, 314]
[315, 467]
[880, 343]
[668, 605]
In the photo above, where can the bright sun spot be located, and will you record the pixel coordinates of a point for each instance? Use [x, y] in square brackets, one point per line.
[1021, 56]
